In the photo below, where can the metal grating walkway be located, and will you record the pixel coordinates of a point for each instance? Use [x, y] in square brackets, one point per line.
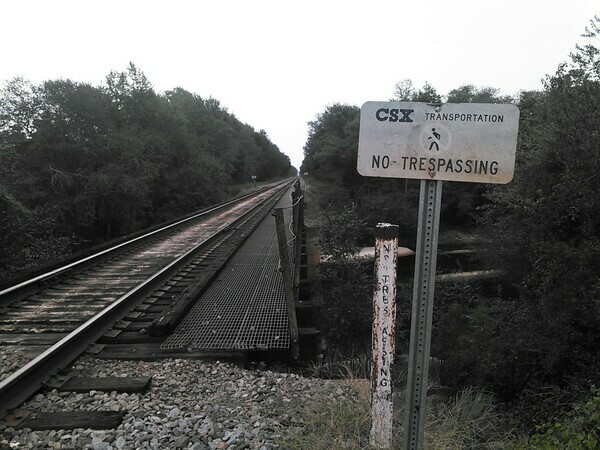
[245, 307]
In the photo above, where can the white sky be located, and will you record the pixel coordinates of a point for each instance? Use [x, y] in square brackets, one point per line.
[277, 64]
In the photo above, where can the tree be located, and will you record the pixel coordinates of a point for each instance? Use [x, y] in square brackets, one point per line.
[471, 94]
[547, 227]
[405, 92]
[586, 61]
[19, 109]
[96, 162]
[463, 200]
[332, 146]
[128, 87]
[427, 94]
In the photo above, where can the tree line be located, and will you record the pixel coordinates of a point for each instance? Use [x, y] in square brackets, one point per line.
[538, 343]
[81, 164]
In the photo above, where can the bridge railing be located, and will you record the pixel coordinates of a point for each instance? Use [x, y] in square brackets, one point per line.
[289, 223]
[297, 227]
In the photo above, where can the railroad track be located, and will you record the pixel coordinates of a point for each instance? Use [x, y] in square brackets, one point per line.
[135, 292]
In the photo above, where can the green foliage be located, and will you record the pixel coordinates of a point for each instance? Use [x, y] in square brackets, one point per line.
[578, 429]
[344, 294]
[331, 149]
[331, 153]
[471, 94]
[456, 316]
[462, 201]
[28, 237]
[470, 420]
[18, 110]
[405, 92]
[330, 424]
[547, 227]
[113, 159]
[341, 233]
[335, 366]
[536, 345]
[586, 61]
[330, 157]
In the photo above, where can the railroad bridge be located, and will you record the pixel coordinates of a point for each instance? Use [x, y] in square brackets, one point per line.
[245, 308]
[227, 282]
[258, 304]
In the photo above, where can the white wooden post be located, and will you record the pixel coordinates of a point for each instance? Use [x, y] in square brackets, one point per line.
[384, 317]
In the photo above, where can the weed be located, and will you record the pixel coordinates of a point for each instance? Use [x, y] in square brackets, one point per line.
[469, 421]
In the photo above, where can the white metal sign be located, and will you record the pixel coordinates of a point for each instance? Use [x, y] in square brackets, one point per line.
[474, 142]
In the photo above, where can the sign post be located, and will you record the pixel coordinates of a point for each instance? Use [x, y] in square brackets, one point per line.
[422, 313]
[433, 142]
[384, 319]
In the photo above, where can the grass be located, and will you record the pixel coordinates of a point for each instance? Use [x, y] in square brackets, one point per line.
[331, 425]
[341, 367]
[469, 421]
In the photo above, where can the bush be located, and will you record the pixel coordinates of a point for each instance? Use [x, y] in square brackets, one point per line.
[331, 424]
[470, 420]
[344, 293]
[30, 238]
[578, 429]
[341, 233]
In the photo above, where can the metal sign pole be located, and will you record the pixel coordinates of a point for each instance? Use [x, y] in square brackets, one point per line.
[384, 318]
[422, 313]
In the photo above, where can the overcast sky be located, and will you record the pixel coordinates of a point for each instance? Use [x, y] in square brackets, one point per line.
[277, 64]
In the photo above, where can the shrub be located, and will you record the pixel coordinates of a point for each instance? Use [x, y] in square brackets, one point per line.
[344, 292]
[578, 429]
[470, 420]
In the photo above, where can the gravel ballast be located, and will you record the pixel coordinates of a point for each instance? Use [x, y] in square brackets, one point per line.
[192, 404]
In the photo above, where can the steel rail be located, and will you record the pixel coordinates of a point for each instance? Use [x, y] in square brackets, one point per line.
[27, 380]
[25, 288]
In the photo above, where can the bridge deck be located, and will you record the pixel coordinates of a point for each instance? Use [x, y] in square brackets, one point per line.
[245, 307]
